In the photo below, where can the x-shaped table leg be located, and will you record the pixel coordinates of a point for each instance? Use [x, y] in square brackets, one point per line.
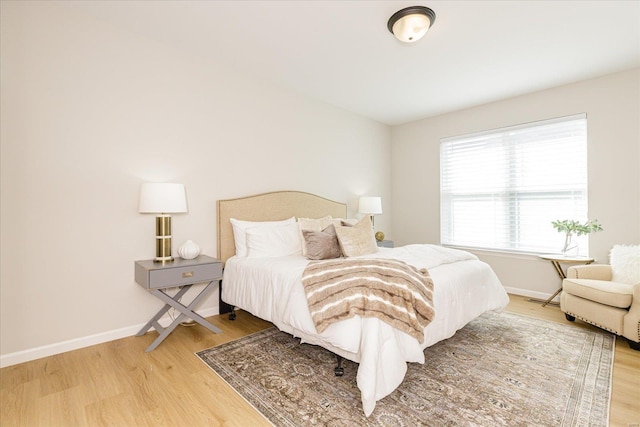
[185, 312]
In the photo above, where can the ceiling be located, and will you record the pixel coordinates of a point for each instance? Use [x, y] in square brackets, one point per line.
[341, 52]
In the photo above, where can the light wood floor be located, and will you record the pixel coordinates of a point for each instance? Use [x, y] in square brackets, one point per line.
[118, 384]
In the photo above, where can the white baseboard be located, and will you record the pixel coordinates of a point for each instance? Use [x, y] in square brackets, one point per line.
[77, 343]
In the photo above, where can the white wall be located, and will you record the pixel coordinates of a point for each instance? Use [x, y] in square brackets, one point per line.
[612, 104]
[88, 113]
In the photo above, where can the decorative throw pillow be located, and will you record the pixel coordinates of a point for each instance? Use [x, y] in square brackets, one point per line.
[625, 263]
[322, 244]
[240, 231]
[312, 224]
[337, 222]
[358, 239]
[274, 241]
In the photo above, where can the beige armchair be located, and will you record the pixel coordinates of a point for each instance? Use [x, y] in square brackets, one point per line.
[589, 295]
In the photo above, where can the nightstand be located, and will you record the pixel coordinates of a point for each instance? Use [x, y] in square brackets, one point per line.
[385, 243]
[183, 274]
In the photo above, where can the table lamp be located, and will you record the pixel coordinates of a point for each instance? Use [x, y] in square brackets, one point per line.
[162, 199]
[370, 206]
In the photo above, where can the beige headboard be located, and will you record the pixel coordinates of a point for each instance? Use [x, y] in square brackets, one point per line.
[270, 207]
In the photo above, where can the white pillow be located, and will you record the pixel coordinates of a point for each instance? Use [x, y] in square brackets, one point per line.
[240, 227]
[269, 242]
[625, 263]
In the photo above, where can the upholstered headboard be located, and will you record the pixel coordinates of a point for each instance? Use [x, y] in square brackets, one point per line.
[270, 207]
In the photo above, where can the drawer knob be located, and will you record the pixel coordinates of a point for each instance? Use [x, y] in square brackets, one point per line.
[187, 274]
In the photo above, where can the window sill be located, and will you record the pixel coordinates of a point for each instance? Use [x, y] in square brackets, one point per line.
[499, 253]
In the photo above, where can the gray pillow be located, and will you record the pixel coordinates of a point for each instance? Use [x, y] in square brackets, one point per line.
[322, 244]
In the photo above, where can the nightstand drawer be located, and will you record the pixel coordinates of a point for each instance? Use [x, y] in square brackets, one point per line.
[184, 275]
[181, 272]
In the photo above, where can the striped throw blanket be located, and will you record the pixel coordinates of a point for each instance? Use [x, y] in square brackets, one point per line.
[390, 290]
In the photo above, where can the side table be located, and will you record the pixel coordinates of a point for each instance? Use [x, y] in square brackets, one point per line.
[183, 274]
[385, 243]
[556, 260]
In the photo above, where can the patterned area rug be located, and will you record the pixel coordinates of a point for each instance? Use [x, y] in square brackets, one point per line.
[499, 370]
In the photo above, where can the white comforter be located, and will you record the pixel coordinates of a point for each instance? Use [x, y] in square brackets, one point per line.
[464, 288]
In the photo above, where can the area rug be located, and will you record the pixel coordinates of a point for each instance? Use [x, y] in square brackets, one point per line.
[499, 370]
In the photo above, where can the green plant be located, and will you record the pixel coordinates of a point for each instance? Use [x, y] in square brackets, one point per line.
[571, 227]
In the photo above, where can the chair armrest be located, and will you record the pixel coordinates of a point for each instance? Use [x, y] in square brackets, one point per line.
[631, 327]
[591, 271]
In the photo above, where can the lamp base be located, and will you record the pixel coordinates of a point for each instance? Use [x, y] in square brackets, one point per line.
[163, 239]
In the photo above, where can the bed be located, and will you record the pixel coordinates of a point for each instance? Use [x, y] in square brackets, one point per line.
[270, 287]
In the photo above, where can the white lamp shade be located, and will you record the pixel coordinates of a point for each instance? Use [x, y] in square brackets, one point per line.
[370, 205]
[156, 197]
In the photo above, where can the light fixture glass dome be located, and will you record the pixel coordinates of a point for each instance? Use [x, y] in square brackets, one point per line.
[411, 24]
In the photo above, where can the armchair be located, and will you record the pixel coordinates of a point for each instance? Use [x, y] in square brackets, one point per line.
[589, 294]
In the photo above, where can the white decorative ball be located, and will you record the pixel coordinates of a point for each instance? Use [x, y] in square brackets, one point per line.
[188, 250]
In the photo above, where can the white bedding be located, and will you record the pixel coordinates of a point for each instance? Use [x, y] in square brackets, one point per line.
[464, 288]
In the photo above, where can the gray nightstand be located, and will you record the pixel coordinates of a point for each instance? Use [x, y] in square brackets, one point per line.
[181, 273]
[385, 243]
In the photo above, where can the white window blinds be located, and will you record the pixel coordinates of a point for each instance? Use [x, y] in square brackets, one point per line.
[501, 189]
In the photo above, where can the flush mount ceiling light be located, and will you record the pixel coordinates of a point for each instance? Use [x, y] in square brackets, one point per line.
[411, 23]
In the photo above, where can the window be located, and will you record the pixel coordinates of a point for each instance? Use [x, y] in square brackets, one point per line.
[501, 189]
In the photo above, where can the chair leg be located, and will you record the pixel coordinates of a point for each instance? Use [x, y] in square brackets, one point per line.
[634, 345]
[569, 317]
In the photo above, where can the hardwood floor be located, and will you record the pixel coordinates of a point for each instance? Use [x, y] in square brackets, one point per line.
[118, 384]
